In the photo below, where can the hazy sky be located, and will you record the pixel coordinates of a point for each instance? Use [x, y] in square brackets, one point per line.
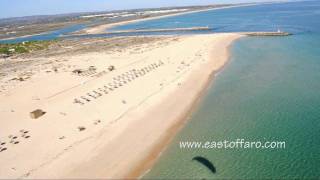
[16, 8]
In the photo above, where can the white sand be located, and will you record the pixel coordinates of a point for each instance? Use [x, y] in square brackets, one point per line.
[137, 119]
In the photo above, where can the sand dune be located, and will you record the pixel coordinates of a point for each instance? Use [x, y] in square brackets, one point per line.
[100, 123]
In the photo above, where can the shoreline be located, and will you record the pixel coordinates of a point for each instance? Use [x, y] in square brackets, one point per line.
[177, 121]
[146, 165]
[100, 29]
[136, 121]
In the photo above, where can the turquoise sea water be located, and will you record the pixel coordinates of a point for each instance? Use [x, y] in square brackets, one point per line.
[270, 91]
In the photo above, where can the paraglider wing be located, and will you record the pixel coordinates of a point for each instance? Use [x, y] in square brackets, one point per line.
[205, 162]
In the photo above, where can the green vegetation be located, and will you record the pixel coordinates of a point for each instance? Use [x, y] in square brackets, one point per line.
[24, 47]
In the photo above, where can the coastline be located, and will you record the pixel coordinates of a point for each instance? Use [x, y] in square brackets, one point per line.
[177, 121]
[133, 133]
[142, 169]
[140, 103]
[100, 29]
[24, 36]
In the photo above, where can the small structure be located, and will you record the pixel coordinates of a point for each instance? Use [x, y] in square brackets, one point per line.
[37, 113]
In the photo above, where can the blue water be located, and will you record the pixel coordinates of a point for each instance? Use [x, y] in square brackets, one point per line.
[268, 91]
[65, 33]
[270, 17]
[48, 35]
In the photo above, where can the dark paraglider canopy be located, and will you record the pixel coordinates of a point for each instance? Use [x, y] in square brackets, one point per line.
[205, 162]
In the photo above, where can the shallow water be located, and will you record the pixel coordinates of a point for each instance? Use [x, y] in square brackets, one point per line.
[46, 36]
[269, 17]
[268, 91]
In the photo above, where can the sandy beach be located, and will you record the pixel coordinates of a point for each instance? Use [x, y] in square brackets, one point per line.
[105, 113]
